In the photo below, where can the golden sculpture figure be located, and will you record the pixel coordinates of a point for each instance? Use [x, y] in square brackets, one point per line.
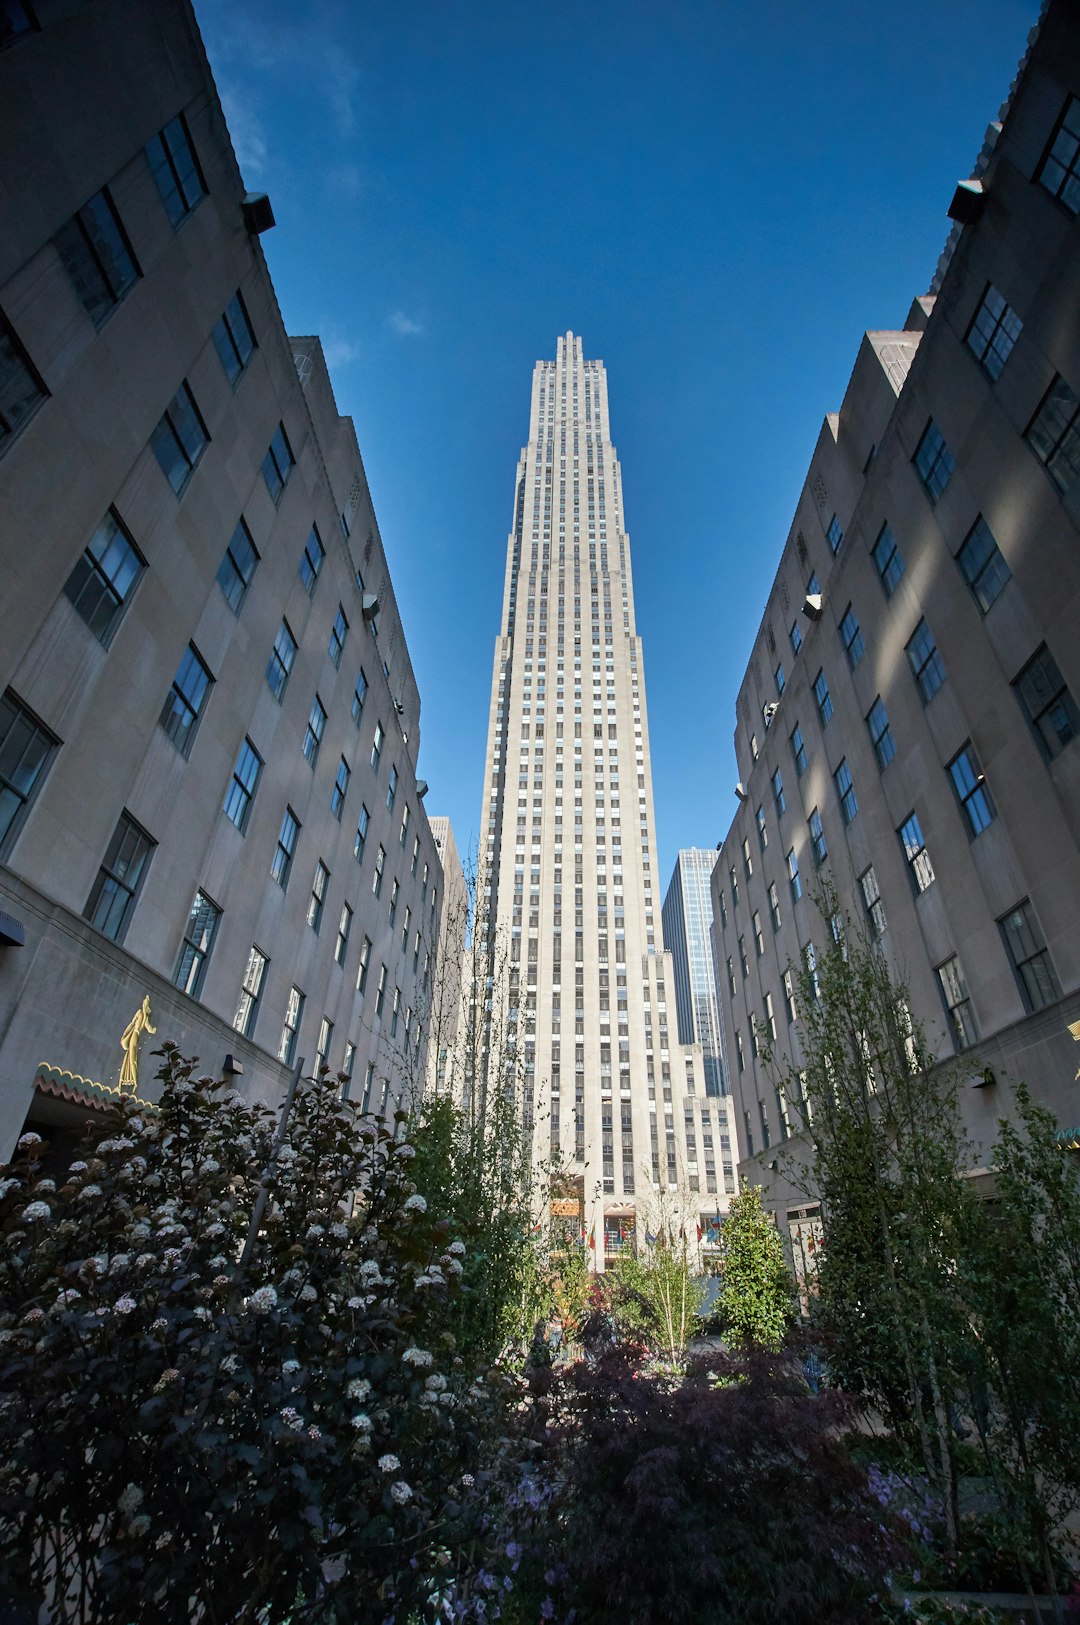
[129, 1043]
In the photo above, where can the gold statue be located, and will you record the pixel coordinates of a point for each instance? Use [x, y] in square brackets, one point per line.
[129, 1043]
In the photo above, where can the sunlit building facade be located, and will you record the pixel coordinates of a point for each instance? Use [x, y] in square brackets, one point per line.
[688, 937]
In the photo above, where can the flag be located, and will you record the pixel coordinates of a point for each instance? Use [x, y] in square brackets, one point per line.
[700, 1232]
[592, 1238]
[650, 1239]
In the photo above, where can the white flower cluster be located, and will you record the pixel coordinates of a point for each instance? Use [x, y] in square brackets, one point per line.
[418, 1357]
[262, 1300]
[36, 1213]
[415, 1204]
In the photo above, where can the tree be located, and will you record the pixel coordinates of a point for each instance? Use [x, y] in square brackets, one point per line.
[755, 1283]
[654, 1292]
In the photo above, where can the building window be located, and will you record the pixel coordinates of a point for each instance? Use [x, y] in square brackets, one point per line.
[982, 565]
[338, 633]
[774, 905]
[16, 19]
[281, 660]
[845, 790]
[294, 1015]
[358, 698]
[285, 849]
[793, 876]
[762, 831]
[934, 461]
[778, 792]
[759, 935]
[26, 749]
[341, 946]
[365, 961]
[798, 750]
[316, 724]
[957, 1002]
[834, 534]
[995, 328]
[234, 339]
[347, 1065]
[821, 694]
[237, 567]
[197, 945]
[104, 579]
[817, 837]
[115, 891]
[926, 664]
[340, 790]
[743, 961]
[971, 791]
[871, 896]
[247, 1005]
[21, 390]
[377, 876]
[1047, 703]
[877, 722]
[748, 862]
[731, 974]
[890, 566]
[361, 834]
[920, 868]
[796, 637]
[809, 955]
[242, 786]
[377, 745]
[326, 1038]
[403, 834]
[186, 700]
[395, 893]
[1059, 171]
[1029, 957]
[311, 562]
[391, 789]
[180, 438]
[176, 169]
[740, 1054]
[97, 256]
[851, 638]
[1054, 433]
[317, 900]
[380, 991]
[278, 463]
[789, 997]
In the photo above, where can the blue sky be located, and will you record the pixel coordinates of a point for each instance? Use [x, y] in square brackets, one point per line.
[719, 198]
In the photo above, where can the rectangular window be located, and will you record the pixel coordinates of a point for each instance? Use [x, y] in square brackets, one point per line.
[933, 461]
[340, 790]
[971, 790]
[798, 750]
[955, 998]
[1029, 957]
[395, 893]
[731, 974]
[186, 700]
[176, 169]
[338, 634]
[198, 942]
[358, 697]
[403, 834]
[762, 831]
[347, 1065]
[796, 637]
[326, 1038]
[877, 722]
[278, 463]
[97, 256]
[821, 694]
[405, 924]
[242, 786]
[845, 790]
[995, 328]
[748, 862]
[341, 946]
[817, 837]
[780, 680]
[391, 789]
[793, 876]
[281, 660]
[982, 565]
[920, 868]
[395, 1012]
[247, 1005]
[1059, 171]
[377, 745]
[774, 906]
[285, 849]
[311, 561]
[115, 891]
[744, 962]
[789, 997]
[26, 749]
[104, 579]
[377, 876]
[871, 896]
[886, 556]
[759, 935]
[1054, 433]
[294, 1015]
[851, 638]
[380, 991]
[234, 339]
[835, 534]
[778, 792]
[1047, 703]
[926, 664]
[361, 834]
[316, 725]
[237, 567]
[21, 390]
[317, 900]
[365, 961]
[180, 438]
[809, 955]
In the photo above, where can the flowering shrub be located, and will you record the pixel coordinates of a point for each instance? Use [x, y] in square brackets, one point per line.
[192, 1427]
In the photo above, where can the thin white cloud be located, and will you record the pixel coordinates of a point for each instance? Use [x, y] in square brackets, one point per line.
[339, 351]
[404, 324]
[245, 128]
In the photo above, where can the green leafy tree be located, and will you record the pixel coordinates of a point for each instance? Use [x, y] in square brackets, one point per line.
[654, 1296]
[756, 1289]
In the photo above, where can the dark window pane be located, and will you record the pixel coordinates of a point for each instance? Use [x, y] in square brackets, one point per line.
[103, 579]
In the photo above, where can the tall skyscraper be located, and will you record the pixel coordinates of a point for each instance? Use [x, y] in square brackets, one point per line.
[568, 833]
[688, 936]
